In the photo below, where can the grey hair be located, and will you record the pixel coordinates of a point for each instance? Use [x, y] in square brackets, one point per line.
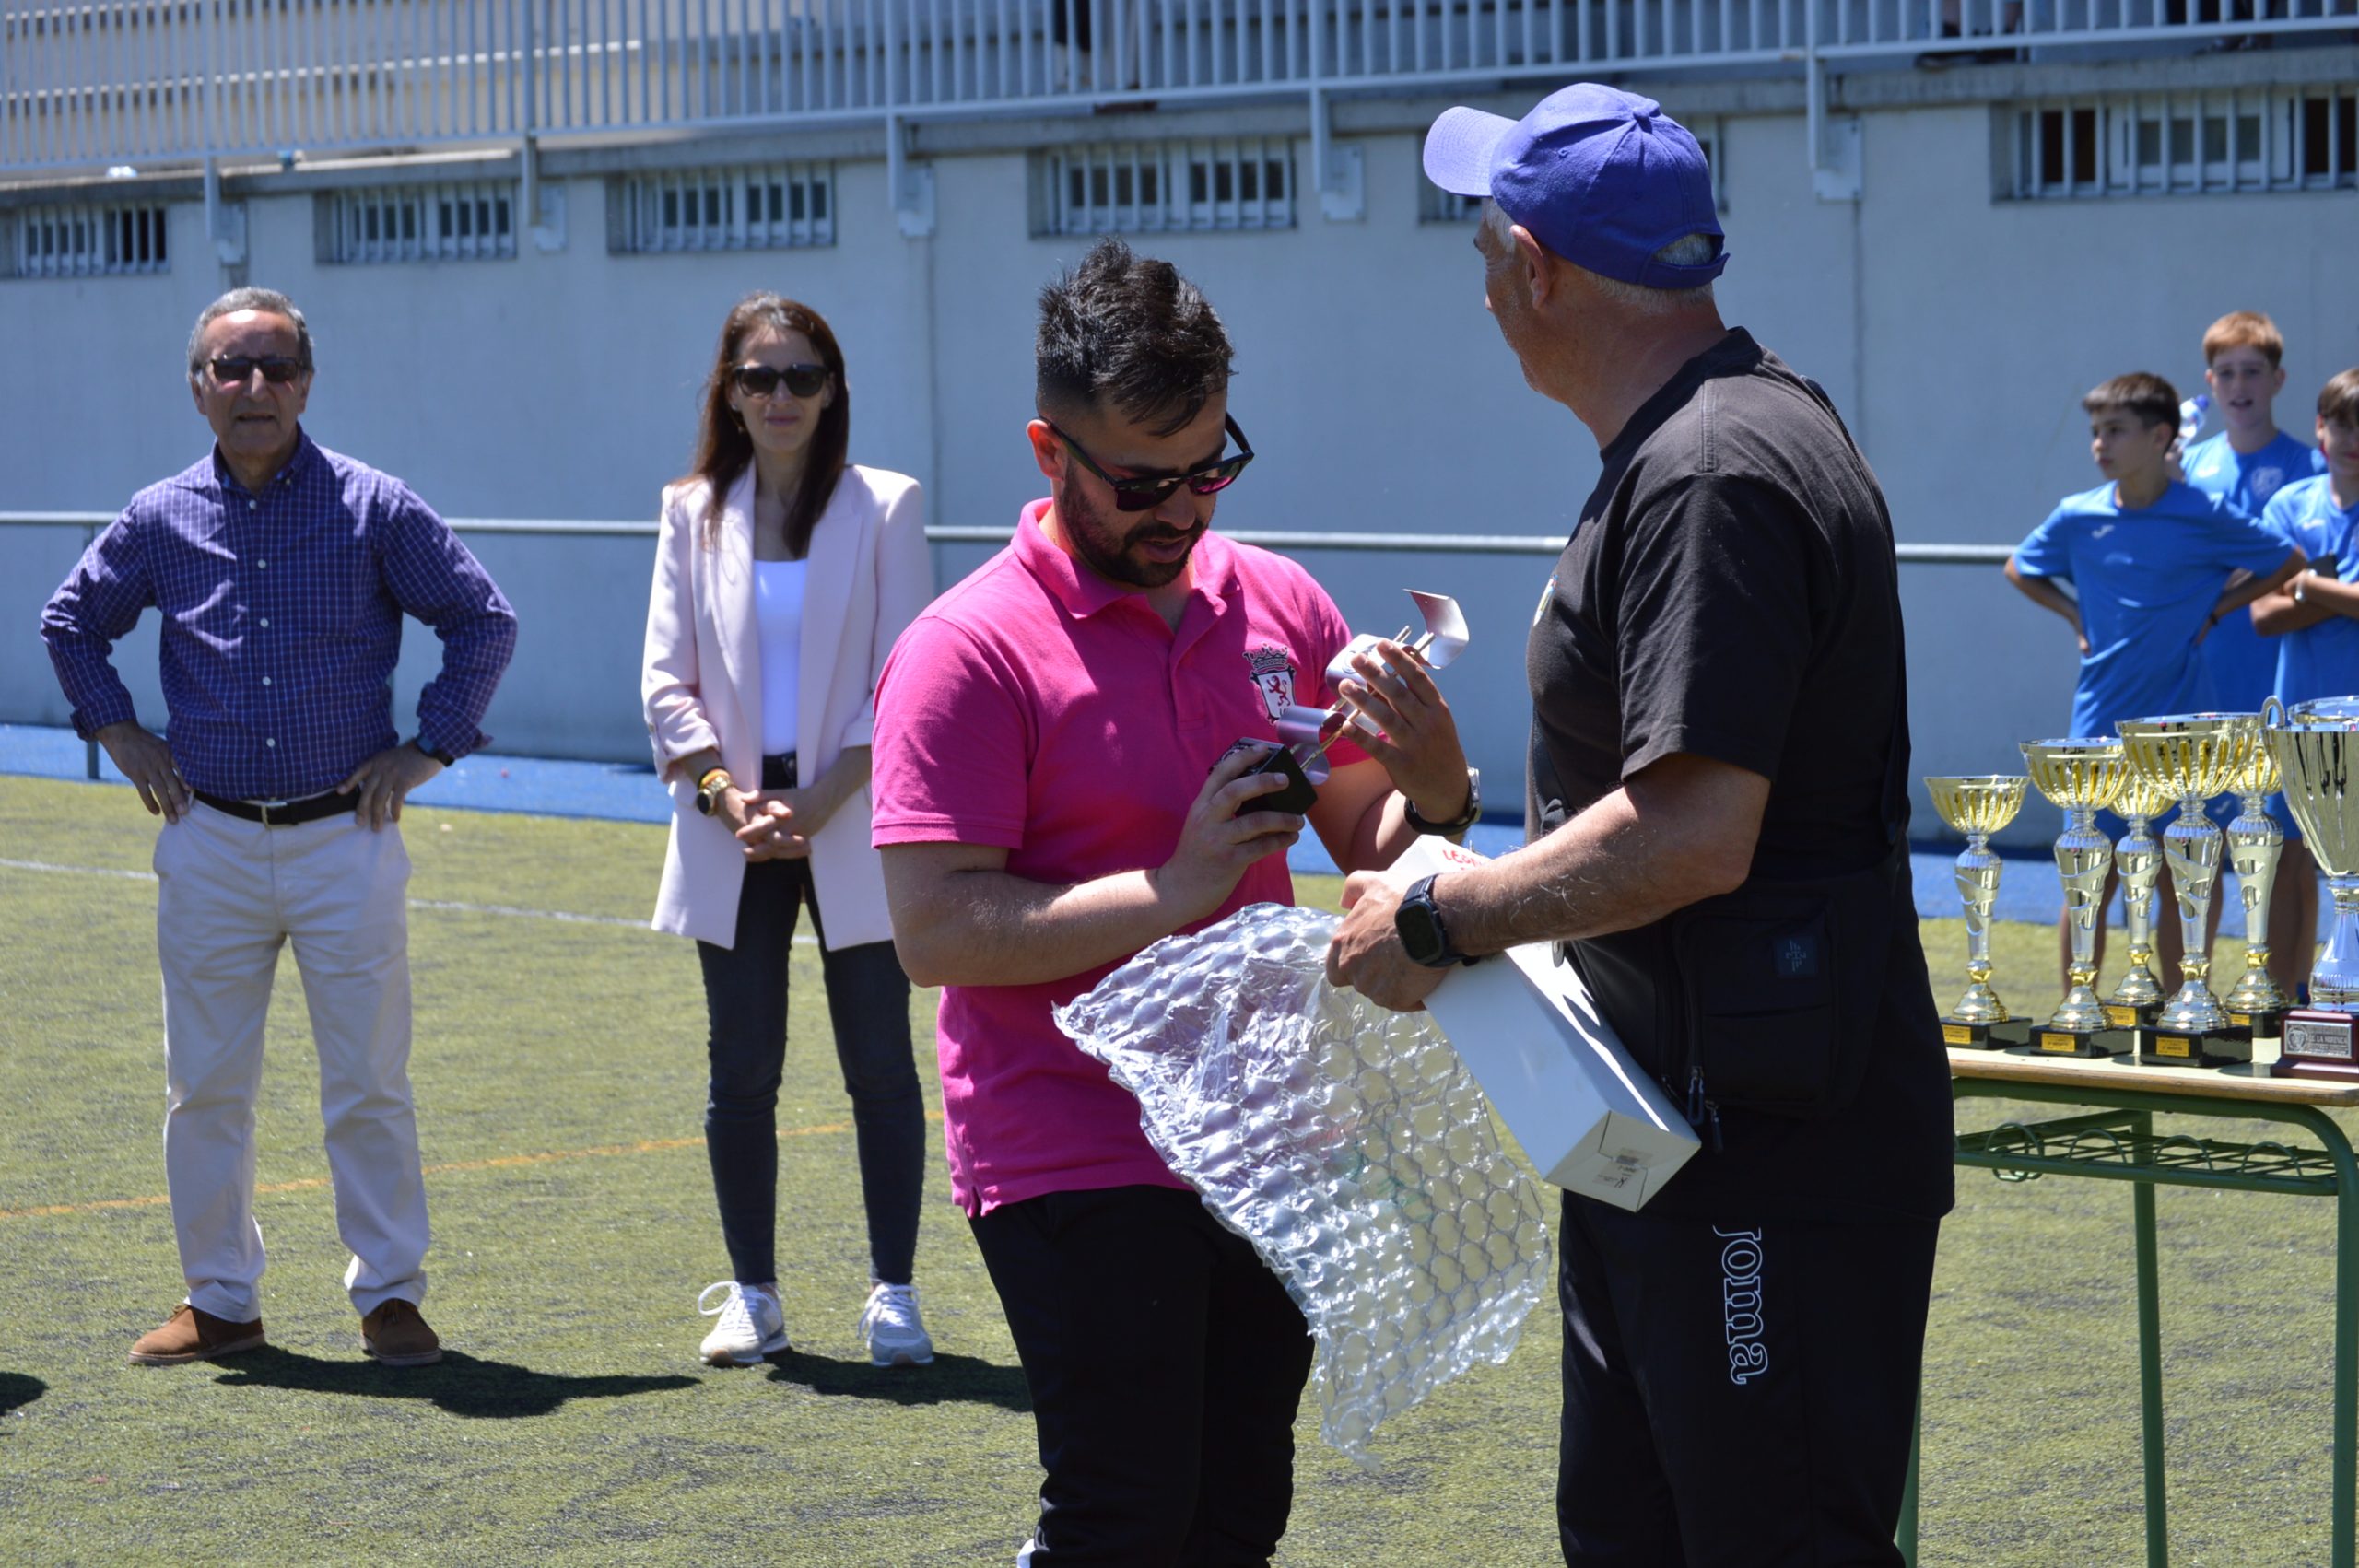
[268, 301]
[1688, 249]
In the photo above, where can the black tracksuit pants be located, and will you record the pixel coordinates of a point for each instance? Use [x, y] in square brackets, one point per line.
[1737, 1395]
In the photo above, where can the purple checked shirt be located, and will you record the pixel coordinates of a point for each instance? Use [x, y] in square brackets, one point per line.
[282, 622]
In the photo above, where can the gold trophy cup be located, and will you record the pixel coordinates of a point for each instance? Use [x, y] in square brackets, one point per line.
[2138, 859]
[1980, 807]
[2193, 756]
[2255, 1002]
[2080, 776]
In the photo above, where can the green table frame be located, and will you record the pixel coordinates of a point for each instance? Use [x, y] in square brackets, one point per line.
[2118, 1142]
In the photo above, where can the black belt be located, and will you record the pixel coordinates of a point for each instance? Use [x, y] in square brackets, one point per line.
[280, 814]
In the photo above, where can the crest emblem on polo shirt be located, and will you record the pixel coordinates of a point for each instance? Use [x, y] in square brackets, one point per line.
[2265, 483]
[1272, 670]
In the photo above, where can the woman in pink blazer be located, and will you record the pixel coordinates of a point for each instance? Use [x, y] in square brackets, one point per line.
[783, 576]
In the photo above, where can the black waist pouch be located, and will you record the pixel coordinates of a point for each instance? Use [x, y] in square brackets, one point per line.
[1777, 988]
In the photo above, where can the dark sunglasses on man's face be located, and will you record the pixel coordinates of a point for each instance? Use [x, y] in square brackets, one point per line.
[761, 380]
[236, 369]
[1141, 492]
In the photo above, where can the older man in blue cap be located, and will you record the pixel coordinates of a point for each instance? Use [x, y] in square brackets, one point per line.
[1717, 814]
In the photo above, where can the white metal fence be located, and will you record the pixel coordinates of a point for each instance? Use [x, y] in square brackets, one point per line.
[90, 83]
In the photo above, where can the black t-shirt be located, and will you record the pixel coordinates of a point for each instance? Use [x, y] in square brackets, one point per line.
[1731, 592]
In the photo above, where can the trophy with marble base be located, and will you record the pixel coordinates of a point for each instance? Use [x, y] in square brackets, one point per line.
[2078, 775]
[2193, 756]
[2255, 1001]
[2315, 748]
[1980, 807]
[2138, 860]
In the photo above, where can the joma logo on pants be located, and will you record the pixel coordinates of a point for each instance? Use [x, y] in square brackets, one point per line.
[1740, 1302]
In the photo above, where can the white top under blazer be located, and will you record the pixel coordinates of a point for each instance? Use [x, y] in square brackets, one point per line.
[868, 574]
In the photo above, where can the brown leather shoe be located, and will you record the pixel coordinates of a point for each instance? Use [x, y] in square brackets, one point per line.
[394, 1334]
[191, 1334]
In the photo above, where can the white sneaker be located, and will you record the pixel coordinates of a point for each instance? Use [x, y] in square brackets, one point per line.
[751, 1326]
[895, 1333]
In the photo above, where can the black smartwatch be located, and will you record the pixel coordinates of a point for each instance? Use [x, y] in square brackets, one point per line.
[1458, 824]
[437, 752]
[1419, 924]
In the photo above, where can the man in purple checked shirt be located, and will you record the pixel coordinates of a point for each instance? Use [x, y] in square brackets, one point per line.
[282, 571]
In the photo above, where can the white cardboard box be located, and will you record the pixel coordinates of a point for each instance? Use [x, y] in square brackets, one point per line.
[1589, 1118]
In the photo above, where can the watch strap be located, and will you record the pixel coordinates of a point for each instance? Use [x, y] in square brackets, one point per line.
[1459, 823]
[437, 752]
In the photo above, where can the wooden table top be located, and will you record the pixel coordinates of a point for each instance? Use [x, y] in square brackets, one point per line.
[2238, 1082]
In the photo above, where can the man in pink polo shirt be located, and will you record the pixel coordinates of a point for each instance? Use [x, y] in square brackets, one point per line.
[1056, 787]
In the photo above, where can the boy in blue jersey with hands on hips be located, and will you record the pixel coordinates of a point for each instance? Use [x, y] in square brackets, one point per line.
[2314, 619]
[2146, 556]
[2243, 467]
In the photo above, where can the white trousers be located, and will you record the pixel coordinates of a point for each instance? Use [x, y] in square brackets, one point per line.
[231, 893]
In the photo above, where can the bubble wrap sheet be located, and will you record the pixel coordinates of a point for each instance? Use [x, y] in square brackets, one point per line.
[1348, 1143]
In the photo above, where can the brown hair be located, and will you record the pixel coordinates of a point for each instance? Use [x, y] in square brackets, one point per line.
[2339, 400]
[2153, 399]
[724, 449]
[2244, 329]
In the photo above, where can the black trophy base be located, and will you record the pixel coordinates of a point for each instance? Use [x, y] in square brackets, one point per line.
[2318, 1044]
[2009, 1034]
[2046, 1040]
[2268, 1025]
[2122, 1015]
[2195, 1047]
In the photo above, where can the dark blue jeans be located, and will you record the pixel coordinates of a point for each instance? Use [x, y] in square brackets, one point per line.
[868, 1004]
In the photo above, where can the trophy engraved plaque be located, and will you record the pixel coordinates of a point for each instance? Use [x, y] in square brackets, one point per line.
[1980, 807]
[2254, 840]
[2315, 748]
[2080, 776]
[2139, 861]
[2193, 756]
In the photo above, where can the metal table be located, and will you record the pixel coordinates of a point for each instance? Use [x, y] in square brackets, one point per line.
[2117, 1143]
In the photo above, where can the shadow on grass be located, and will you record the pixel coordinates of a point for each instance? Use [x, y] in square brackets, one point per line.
[18, 1389]
[951, 1380]
[459, 1384]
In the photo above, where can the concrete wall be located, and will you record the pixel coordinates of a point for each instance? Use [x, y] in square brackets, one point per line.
[1955, 331]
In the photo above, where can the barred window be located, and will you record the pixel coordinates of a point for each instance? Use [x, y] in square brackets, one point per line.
[1437, 206]
[474, 220]
[762, 207]
[85, 240]
[2299, 139]
[1149, 187]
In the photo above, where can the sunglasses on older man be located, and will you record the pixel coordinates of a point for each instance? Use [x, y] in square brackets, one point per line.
[1140, 492]
[761, 380]
[236, 369]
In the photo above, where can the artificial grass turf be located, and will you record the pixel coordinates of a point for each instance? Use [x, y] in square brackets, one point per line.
[560, 1088]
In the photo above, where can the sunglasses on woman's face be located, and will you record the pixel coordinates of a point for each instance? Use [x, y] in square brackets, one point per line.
[1141, 492]
[761, 380]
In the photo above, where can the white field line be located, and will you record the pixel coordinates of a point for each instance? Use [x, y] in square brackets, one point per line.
[801, 939]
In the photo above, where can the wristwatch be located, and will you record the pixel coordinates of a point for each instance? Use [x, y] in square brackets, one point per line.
[437, 752]
[1418, 925]
[1458, 824]
[708, 789]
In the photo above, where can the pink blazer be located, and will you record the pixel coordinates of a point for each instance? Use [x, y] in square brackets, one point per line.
[869, 575]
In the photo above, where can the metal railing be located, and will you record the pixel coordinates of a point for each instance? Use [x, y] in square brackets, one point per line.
[87, 84]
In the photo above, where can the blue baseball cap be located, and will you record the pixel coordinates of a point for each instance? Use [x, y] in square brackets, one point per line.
[1602, 177]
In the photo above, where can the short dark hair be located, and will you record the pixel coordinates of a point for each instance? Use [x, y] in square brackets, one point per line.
[269, 301]
[2153, 399]
[1129, 331]
[2339, 400]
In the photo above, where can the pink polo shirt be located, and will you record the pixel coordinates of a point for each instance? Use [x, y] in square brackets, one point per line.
[1037, 708]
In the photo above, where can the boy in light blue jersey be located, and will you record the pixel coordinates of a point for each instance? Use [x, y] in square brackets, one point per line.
[2242, 467]
[2314, 619]
[2147, 555]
